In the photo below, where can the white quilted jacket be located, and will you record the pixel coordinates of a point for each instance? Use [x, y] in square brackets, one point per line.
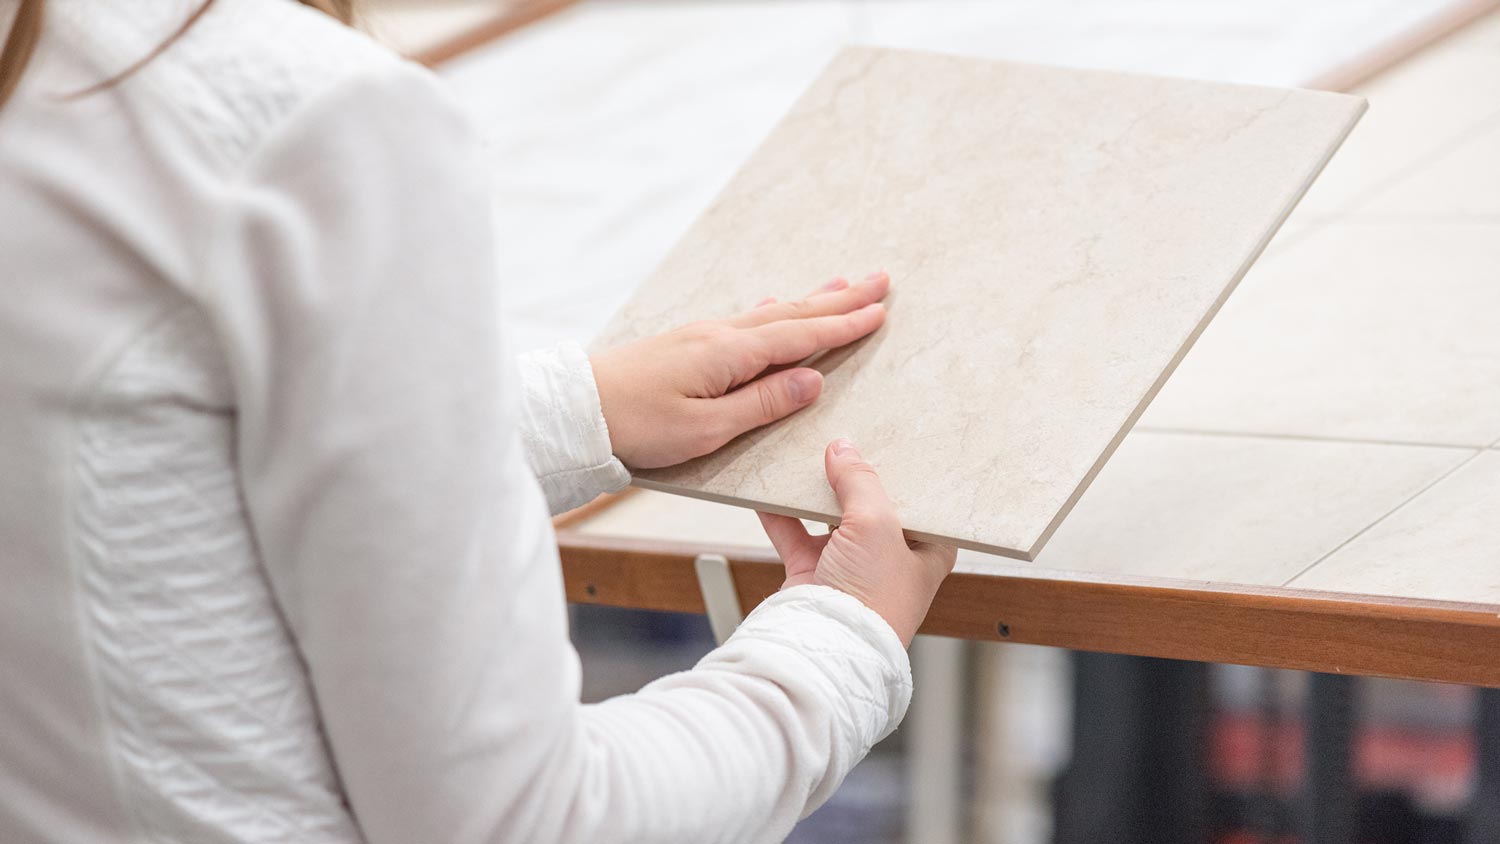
[274, 560]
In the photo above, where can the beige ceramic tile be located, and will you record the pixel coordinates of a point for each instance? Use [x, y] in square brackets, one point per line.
[1418, 110]
[1376, 331]
[1463, 181]
[1444, 545]
[1057, 238]
[1238, 510]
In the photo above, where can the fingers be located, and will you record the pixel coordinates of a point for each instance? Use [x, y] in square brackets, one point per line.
[787, 535]
[855, 484]
[835, 297]
[765, 400]
[791, 340]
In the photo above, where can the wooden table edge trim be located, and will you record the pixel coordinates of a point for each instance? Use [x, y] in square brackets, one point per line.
[1358, 70]
[1382, 57]
[504, 23]
[1269, 626]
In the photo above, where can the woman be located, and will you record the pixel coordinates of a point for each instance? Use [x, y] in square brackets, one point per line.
[278, 566]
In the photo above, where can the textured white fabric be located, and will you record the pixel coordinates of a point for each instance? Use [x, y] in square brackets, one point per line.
[214, 729]
[563, 427]
[277, 563]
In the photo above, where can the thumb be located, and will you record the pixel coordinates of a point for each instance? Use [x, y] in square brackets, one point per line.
[855, 483]
[767, 399]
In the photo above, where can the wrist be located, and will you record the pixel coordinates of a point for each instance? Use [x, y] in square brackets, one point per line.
[608, 401]
[900, 619]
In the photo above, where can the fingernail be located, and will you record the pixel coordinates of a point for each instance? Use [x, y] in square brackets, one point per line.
[803, 385]
[878, 278]
[843, 447]
[836, 284]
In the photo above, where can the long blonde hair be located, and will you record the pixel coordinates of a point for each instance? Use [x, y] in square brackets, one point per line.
[26, 30]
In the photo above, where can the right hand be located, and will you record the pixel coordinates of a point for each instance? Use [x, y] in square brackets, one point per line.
[685, 393]
[866, 555]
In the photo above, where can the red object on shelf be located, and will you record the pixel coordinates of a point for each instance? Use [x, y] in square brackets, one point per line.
[1434, 765]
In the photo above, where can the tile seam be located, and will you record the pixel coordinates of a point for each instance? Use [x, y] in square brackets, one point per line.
[1393, 511]
[1387, 218]
[1312, 438]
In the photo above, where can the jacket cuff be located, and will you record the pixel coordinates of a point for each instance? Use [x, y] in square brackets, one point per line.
[851, 643]
[563, 428]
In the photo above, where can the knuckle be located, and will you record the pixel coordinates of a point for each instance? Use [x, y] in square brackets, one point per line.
[798, 309]
[706, 438]
[747, 357]
[765, 397]
[700, 330]
[873, 522]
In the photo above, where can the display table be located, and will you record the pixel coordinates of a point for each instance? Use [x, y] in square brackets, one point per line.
[1317, 487]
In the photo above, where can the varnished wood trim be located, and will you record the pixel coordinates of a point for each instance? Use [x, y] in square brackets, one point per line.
[1383, 57]
[511, 19]
[591, 509]
[1283, 628]
[1360, 69]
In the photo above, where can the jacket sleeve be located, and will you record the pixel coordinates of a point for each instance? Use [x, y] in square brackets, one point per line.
[562, 427]
[407, 543]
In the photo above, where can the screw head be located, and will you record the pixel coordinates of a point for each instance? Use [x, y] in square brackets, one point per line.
[591, 589]
[1003, 629]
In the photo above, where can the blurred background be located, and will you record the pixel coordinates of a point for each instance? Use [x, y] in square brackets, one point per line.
[611, 124]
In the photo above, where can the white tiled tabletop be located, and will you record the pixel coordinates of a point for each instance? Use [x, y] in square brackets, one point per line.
[1333, 430]
[1376, 329]
[1443, 544]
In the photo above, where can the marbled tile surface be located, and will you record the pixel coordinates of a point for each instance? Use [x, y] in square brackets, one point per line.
[1441, 546]
[1057, 239]
[1247, 510]
[1379, 330]
[1464, 182]
[1418, 112]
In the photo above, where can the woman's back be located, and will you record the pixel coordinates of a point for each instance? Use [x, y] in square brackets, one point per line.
[150, 688]
[274, 497]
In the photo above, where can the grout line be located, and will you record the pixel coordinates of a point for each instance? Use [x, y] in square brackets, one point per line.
[1362, 531]
[1409, 217]
[1315, 438]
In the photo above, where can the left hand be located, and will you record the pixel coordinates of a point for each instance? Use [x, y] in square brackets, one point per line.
[685, 393]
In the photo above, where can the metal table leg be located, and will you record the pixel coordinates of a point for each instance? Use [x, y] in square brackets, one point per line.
[1483, 823]
[1329, 800]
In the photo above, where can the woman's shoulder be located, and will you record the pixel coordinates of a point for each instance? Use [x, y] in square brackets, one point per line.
[239, 71]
